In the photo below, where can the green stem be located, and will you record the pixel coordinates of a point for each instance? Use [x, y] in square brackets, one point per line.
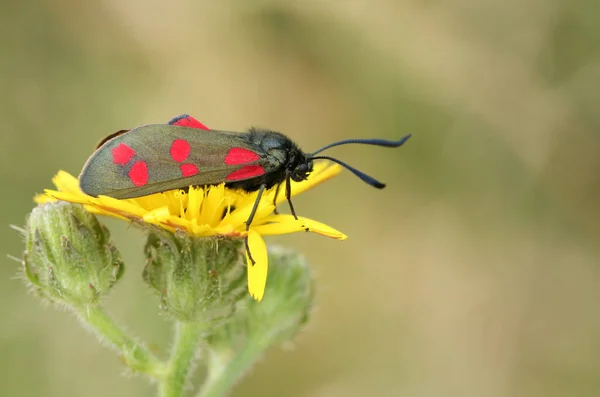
[226, 368]
[137, 356]
[181, 363]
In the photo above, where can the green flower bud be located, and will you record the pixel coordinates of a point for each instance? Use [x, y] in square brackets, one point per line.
[198, 279]
[284, 310]
[288, 300]
[235, 346]
[69, 258]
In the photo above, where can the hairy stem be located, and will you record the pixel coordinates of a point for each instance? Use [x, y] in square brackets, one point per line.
[187, 338]
[226, 368]
[136, 355]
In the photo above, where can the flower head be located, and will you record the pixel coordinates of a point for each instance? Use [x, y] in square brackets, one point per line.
[206, 212]
[69, 258]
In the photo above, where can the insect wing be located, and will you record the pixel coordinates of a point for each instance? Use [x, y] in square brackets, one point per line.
[185, 120]
[155, 158]
[111, 136]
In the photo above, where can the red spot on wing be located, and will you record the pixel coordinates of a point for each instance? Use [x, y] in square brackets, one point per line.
[238, 155]
[180, 150]
[188, 169]
[246, 172]
[188, 121]
[122, 154]
[139, 173]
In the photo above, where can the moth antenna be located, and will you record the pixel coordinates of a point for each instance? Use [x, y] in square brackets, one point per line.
[364, 177]
[374, 142]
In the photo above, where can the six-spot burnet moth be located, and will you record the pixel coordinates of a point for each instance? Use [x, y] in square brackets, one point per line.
[160, 157]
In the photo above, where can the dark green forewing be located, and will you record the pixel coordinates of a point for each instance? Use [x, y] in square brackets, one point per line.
[159, 157]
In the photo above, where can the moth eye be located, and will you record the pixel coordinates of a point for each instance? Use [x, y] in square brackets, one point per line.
[302, 167]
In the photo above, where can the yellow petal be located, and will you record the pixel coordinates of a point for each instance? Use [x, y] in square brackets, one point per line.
[241, 214]
[212, 206]
[195, 198]
[322, 229]
[67, 196]
[206, 208]
[43, 199]
[322, 171]
[157, 215]
[257, 273]
[66, 182]
[284, 223]
[149, 202]
[123, 207]
[98, 211]
[226, 230]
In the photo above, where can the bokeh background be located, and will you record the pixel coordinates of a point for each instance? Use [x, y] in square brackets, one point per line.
[475, 273]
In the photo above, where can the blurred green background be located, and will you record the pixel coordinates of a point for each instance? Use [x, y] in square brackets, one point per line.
[475, 273]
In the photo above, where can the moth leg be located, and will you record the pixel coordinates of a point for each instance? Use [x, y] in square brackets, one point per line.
[288, 196]
[275, 199]
[250, 219]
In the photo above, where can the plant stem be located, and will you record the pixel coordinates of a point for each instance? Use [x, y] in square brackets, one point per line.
[137, 356]
[181, 363]
[226, 369]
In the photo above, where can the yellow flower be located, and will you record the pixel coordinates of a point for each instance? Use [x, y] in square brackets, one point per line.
[208, 211]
